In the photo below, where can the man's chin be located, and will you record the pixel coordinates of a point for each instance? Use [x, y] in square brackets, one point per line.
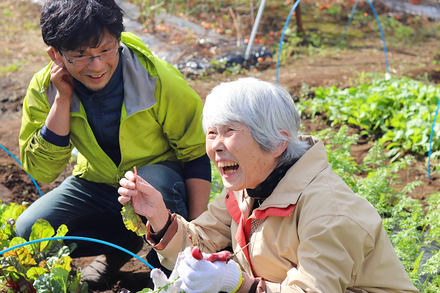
[95, 87]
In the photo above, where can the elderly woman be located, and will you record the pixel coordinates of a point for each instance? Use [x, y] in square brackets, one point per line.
[292, 223]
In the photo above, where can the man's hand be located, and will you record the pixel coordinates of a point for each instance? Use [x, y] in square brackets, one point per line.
[146, 200]
[58, 120]
[59, 76]
[205, 276]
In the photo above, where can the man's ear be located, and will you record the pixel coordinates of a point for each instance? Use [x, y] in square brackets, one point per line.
[54, 55]
[58, 56]
[282, 147]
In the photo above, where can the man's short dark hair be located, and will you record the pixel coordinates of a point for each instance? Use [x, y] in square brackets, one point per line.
[79, 24]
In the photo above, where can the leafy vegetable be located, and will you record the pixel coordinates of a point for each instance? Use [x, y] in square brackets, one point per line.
[38, 267]
[132, 220]
[400, 111]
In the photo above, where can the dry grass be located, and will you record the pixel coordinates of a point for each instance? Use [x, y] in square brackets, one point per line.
[21, 45]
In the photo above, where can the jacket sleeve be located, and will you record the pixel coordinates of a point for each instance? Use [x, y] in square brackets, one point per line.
[180, 114]
[212, 228]
[330, 252]
[41, 159]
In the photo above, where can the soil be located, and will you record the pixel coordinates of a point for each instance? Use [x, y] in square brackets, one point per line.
[21, 44]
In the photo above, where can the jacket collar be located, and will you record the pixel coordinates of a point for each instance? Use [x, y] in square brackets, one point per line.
[298, 177]
[265, 188]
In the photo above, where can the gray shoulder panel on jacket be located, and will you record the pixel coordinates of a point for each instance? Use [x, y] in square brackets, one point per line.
[139, 86]
[51, 93]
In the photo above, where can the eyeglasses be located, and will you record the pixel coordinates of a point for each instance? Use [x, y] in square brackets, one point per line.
[110, 54]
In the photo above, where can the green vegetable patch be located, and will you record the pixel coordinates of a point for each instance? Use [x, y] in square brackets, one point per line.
[39, 267]
[399, 111]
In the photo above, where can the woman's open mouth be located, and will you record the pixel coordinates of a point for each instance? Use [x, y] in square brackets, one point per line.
[228, 167]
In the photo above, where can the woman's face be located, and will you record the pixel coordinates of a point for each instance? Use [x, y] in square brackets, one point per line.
[239, 159]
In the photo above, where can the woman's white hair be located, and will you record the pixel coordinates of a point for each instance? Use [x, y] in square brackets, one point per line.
[265, 107]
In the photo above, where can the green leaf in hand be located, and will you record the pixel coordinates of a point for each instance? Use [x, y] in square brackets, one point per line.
[132, 220]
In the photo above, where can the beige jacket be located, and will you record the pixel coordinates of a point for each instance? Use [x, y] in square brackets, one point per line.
[313, 234]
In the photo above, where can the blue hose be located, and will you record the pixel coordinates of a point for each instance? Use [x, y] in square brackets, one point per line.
[350, 19]
[378, 22]
[33, 180]
[381, 33]
[78, 238]
[430, 140]
[282, 35]
[352, 13]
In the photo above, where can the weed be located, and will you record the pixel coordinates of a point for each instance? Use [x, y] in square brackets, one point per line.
[11, 68]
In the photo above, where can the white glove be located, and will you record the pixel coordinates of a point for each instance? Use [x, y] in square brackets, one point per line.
[160, 280]
[202, 276]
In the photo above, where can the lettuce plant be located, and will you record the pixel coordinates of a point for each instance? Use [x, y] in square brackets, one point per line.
[39, 267]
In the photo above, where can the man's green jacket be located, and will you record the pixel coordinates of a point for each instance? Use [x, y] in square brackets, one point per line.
[160, 121]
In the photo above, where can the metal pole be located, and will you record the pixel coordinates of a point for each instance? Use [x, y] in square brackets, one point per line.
[254, 29]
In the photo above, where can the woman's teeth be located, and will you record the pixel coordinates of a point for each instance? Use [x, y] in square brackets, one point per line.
[226, 164]
[230, 171]
[228, 167]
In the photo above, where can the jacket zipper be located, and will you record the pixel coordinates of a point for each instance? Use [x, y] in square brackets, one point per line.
[99, 149]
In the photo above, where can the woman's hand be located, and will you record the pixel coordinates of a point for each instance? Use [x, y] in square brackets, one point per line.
[146, 200]
[200, 275]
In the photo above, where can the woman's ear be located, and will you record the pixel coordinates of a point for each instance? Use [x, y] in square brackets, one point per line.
[282, 147]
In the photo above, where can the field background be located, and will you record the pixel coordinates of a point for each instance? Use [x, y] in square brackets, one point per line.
[313, 59]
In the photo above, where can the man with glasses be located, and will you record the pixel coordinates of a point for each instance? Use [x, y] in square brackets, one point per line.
[107, 54]
[105, 94]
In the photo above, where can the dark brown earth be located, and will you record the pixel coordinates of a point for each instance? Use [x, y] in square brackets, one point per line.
[20, 43]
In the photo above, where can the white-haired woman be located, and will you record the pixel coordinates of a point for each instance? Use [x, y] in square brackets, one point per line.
[292, 223]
